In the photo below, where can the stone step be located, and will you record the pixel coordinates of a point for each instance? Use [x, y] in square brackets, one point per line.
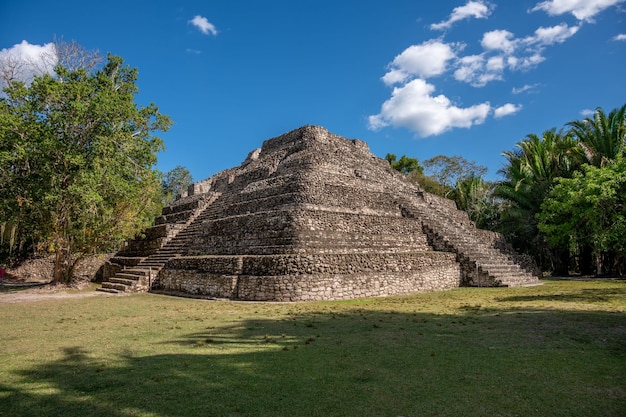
[127, 275]
[177, 242]
[117, 280]
[500, 267]
[160, 256]
[108, 290]
[115, 286]
[506, 272]
[164, 253]
[154, 264]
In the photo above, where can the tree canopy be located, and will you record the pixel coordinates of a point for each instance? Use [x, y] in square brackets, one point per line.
[405, 164]
[176, 181]
[551, 180]
[447, 170]
[78, 158]
[590, 210]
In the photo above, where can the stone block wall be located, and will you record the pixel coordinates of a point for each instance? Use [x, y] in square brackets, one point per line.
[311, 277]
[300, 230]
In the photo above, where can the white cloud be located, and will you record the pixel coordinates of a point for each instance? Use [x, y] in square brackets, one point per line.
[24, 61]
[620, 37]
[413, 106]
[525, 63]
[587, 112]
[425, 60]
[394, 76]
[469, 67]
[477, 9]
[551, 35]
[204, 25]
[524, 88]
[500, 40]
[477, 71]
[581, 9]
[502, 51]
[495, 64]
[506, 110]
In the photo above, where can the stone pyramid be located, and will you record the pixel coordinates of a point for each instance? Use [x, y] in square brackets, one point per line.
[312, 216]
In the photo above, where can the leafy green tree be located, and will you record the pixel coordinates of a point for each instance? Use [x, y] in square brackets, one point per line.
[415, 171]
[405, 164]
[590, 209]
[602, 137]
[528, 177]
[175, 182]
[447, 170]
[78, 160]
[475, 196]
[430, 184]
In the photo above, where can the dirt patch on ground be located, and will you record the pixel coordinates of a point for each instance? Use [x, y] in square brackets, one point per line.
[15, 295]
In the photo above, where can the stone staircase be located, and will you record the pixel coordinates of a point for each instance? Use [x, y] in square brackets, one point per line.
[449, 229]
[144, 274]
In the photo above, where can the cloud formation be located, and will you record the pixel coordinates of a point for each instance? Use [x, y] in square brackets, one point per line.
[24, 61]
[581, 9]
[204, 25]
[476, 9]
[425, 60]
[415, 107]
[620, 37]
[524, 88]
[506, 110]
[413, 103]
[503, 51]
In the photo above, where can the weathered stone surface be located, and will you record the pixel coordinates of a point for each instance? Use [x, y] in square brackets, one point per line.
[314, 216]
[311, 277]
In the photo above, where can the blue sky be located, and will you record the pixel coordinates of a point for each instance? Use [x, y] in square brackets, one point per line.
[416, 78]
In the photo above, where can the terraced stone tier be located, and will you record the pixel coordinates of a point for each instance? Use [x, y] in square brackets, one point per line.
[311, 277]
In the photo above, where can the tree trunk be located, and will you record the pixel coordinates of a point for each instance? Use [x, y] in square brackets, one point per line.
[585, 260]
[561, 262]
[63, 262]
[598, 263]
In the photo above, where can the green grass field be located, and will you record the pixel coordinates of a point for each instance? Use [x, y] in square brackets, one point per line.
[554, 350]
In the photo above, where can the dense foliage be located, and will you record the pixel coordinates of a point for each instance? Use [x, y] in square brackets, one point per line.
[78, 160]
[557, 195]
[405, 164]
[528, 177]
[561, 198]
[589, 210]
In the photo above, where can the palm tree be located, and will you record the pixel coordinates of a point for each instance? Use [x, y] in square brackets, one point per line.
[602, 139]
[475, 196]
[602, 136]
[529, 176]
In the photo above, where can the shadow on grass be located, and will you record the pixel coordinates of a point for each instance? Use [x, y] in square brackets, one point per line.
[484, 362]
[586, 295]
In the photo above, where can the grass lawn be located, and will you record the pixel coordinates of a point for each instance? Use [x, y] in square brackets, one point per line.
[553, 350]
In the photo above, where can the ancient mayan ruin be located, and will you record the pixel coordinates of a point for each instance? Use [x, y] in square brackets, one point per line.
[312, 216]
